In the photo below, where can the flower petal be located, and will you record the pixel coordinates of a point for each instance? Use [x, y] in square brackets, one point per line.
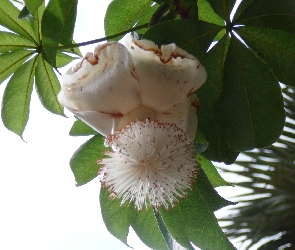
[183, 115]
[103, 123]
[103, 81]
[166, 76]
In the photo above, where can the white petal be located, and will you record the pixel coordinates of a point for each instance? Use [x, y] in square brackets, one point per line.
[103, 123]
[103, 81]
[140, 113]
[183, 115]
[166, 76]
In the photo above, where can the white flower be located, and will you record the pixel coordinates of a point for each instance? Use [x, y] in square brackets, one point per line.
[151, 164]
[141, 98]
[166, 75]
[101, 87]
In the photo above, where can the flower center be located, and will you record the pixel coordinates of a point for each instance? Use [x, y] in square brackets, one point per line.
[151, 164]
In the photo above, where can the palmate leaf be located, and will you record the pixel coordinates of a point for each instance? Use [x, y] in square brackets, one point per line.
[33, 6]
[24, 13]
[170, 241]
[214, 177]
[115, 215]
[209, 94]
[278, 15]
[84, 162]
[23, 41]
[250, 109]
[195, 219]
[218, 149]
[80, 128]
[191, 220]
[47, 86]
[9, 19]
[118, 218]
[222, 7]
[63, 59]
[276, 47]
[125, 14]
[36, 22]
[271, 177]
[17, 96]
[11, 61]
[206, 13]
[144, 223]
[10, 42]
[63, 15]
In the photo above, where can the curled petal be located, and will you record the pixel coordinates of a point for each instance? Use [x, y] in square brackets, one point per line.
[104, 81]
[166, 76]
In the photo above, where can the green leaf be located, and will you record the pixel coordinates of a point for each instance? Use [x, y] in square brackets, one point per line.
[200, 222]
[206, 13]
[201, 144]
[115, 215]
[195, 37]
[24, 13]
[63, 15]
[214, 200]
[250, 110]
[36, 22]
[213, 61]
[170, 241]
[84, 161]
[9, 19]
[47, 86]
[63, 59]
[76, 51]
[80, 128]
[192, 219]
[209, 94]
[271, 14]
[222, 7]
[218, 149]
[145, 225]
[11, 61]
[214, 177]
[174, 222]
[33, 5]
[125, 14]
[276, 47]
[17, 96]
[10, 41]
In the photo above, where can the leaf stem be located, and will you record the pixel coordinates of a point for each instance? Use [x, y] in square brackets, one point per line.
[103, 38]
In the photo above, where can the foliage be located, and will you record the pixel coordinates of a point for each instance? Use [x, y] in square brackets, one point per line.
[241, 103]
[28, 53]
[267, 212]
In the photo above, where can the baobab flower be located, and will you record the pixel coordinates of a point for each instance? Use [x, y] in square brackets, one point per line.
[151, 163]
[141, 98]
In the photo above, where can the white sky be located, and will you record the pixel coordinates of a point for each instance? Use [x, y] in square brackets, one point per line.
[40, 206]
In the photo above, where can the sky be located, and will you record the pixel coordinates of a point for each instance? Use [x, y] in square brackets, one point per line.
[40, 206]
